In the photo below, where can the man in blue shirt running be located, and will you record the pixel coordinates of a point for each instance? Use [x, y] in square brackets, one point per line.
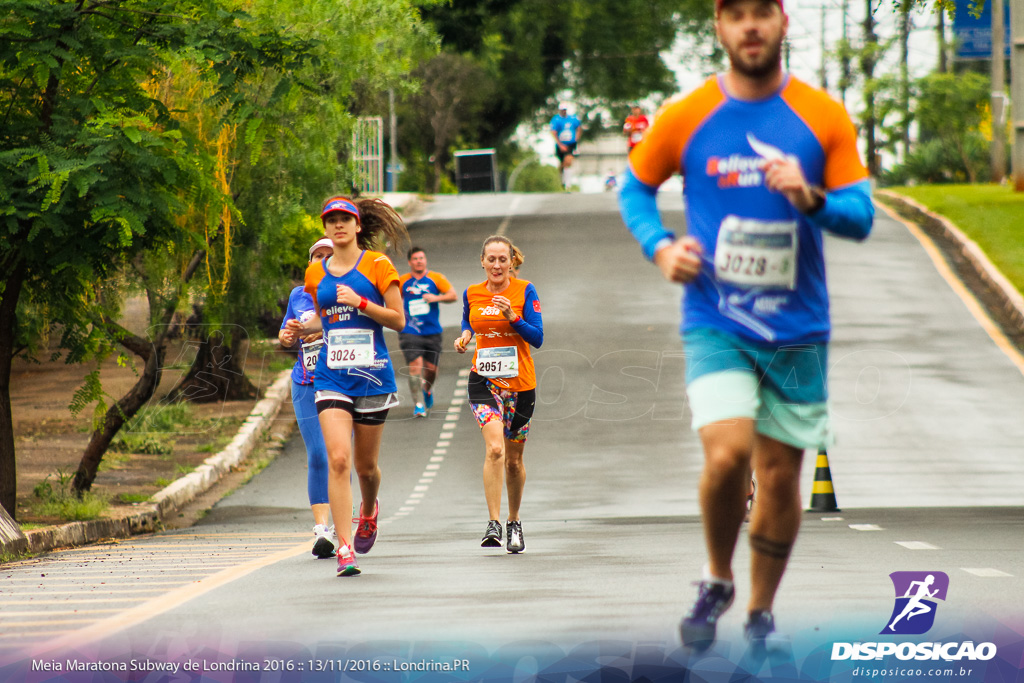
[564, 128]
[769, 164]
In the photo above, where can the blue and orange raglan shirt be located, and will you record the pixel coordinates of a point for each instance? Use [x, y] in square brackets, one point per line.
[420, 317]
[492, 330]
[764, 269]
[371, 277]
[300, 305]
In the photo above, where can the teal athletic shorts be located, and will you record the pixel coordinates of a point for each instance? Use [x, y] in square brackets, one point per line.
[782, 388]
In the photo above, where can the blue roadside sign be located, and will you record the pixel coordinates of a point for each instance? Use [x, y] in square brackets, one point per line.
[974, 35]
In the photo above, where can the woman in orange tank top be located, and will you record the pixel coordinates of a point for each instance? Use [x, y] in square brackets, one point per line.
[504, 314]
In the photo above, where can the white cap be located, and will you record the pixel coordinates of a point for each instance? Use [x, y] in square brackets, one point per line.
[322, 242]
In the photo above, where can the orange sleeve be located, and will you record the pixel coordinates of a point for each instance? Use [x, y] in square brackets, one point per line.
[443, 286]
[383, 273]
[831, 124]
[314, 274]
[660, 153]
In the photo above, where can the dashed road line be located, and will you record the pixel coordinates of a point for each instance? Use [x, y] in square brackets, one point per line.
[986, 572]
[917, 545]
[866, 527]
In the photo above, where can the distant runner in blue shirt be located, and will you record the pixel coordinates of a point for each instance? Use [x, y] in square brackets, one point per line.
[564, 128]
[422, 292]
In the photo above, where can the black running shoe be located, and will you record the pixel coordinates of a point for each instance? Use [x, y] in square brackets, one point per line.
[697, 629]
[492, 537]
[758, 627]
[515, 542]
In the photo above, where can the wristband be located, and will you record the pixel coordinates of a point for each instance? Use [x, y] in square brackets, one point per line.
[516, 319]
[362, 303]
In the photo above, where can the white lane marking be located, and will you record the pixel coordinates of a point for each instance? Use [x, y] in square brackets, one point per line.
[503, 228]
[462, 382]
[451, 418]
[917, 545]
[444, 444]
[831, 519]
[458, 401]
[405, 510]
[440, 451]
[866, 527]
[420, 488]
[436, 458]
[447, 435]
[412, 501]
[464, 372]
[428, 474]
[433, 466]
[985, 572]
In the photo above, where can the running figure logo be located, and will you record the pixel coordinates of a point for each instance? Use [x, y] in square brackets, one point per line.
[916, 593]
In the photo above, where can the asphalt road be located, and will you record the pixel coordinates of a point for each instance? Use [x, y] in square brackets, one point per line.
[927, 470]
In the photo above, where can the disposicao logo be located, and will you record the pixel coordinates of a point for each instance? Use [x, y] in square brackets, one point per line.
[917, 594]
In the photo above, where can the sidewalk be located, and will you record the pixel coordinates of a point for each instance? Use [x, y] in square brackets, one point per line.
[150, 516]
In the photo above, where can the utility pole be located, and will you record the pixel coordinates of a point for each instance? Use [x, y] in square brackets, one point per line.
[824, 73]
[998, 92]
[904, 92]
[394, 168]
[844, 61]
[1017, 91]
[943, 48]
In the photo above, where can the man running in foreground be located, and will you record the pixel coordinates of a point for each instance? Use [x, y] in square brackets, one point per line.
[769, 162]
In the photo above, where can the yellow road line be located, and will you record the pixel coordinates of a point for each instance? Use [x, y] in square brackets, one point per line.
[41, 622]
[55, 611]
[69, 601]
[175, 598]
[961, 291]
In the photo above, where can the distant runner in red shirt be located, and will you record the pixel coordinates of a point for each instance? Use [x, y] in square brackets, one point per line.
[635, 126]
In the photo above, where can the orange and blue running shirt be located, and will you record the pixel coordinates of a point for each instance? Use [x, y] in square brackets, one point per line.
[750, 235]
[370, 277]
[301, 308]
[414, 288]
[492, 330]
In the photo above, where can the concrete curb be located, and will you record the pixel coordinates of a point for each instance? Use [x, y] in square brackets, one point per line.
[1011, 302]
[147, 517]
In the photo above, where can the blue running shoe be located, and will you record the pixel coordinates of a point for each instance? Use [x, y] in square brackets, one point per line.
[697, 629]
[428, 399]
[419, 410]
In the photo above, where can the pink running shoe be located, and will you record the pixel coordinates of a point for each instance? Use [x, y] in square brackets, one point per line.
[347, 565]
[366, 530]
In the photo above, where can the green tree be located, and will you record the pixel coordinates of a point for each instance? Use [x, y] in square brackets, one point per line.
[607, 51]
[93, 170]
[279, 171]
[951, 110]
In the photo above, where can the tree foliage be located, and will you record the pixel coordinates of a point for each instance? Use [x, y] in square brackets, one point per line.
[951, 110]
[607, 52]
[93, 169]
